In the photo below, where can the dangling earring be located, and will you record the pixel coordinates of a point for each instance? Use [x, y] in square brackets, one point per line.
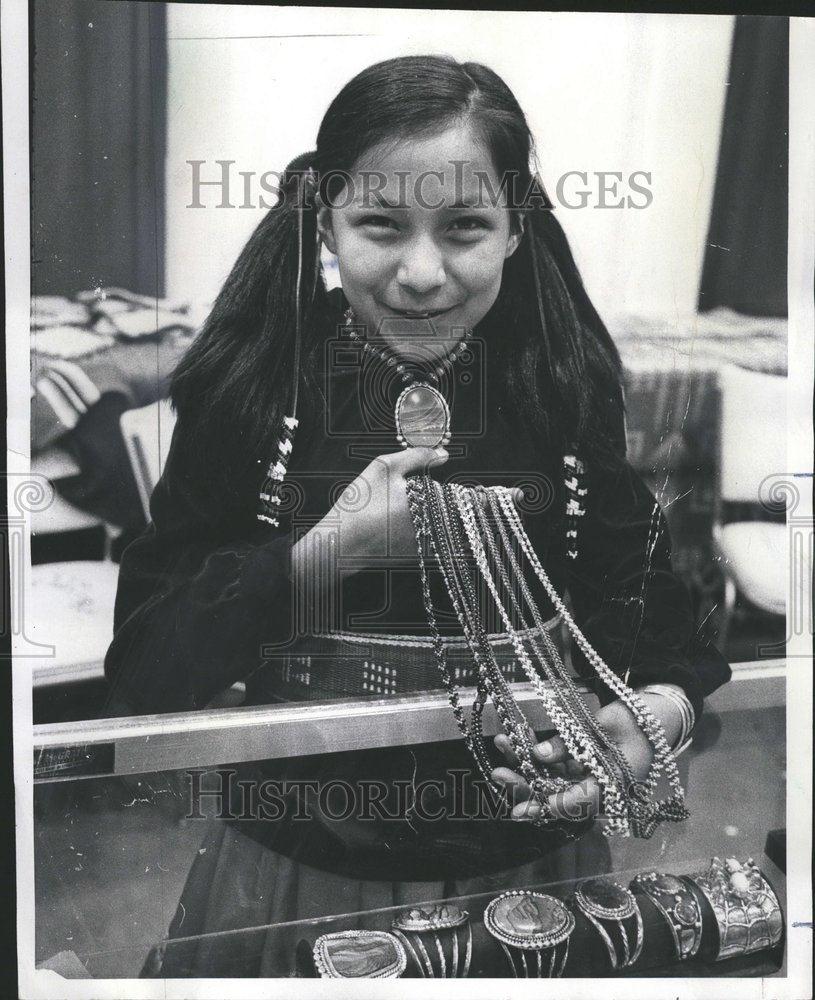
[574, 471]
[269, 495]
[270, 491]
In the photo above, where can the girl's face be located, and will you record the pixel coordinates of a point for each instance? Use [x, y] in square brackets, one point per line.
[420, 241]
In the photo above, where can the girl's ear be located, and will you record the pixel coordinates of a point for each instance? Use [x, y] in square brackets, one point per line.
[325, 228]
[515, 237]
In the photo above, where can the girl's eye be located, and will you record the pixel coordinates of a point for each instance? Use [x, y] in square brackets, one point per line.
[378, 222]
[469, 225]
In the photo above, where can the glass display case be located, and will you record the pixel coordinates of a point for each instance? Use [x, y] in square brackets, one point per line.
[146, 867]
[288, 949]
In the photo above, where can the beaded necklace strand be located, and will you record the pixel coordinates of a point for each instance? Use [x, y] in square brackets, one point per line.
[673, 808]
[577, 741]
[511, 717]
[491, 682]
[609, 760]
[473, 738]
[460, 522]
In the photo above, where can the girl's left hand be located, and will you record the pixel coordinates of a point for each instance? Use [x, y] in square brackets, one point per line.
[583, 799]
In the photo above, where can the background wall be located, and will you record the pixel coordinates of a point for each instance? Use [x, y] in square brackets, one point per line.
[603, 92]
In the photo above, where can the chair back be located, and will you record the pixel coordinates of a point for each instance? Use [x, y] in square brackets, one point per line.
[147, 434]
[753, 443]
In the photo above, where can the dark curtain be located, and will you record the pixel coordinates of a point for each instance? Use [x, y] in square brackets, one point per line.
[745, 264]
[99, 84]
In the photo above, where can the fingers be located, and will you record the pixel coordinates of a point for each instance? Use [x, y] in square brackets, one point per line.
[526, 810]
[516, 787]
[571, 768]
[412, 461]
[515, 492]
[577, 802]
[552, 751]
[503, 744]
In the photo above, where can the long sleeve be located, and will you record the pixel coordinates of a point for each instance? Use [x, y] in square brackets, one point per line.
[631, 606]
[196, 601]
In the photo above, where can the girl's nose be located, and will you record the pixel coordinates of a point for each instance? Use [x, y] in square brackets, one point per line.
[421, 268]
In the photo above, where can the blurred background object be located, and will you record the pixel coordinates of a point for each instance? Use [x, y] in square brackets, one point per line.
[147, 433]
[750, 545]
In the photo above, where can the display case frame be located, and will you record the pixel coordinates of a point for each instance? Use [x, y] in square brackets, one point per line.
[211, 737]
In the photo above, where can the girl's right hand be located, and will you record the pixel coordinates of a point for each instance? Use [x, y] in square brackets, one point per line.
[372, 519]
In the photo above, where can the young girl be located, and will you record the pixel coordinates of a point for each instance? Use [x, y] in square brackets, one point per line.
[456, 274]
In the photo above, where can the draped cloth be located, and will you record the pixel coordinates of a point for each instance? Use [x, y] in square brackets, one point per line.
[99, 123]
[745, 266]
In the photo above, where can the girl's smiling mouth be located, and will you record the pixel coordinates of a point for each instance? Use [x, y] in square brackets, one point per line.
[419, 313]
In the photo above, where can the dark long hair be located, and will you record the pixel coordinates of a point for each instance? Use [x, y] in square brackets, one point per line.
[557, 360]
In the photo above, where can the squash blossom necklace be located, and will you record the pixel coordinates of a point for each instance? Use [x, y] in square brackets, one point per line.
[421, 413]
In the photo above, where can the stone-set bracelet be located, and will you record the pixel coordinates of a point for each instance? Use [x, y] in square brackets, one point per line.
[748, 914]
[444, 922]
[359, 955]
[677, 904]
[534, 931]
[608, 906]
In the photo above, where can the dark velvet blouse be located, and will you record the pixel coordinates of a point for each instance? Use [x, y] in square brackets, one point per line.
[207, 587]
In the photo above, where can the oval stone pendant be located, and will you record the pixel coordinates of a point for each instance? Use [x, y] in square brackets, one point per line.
[422, 417]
